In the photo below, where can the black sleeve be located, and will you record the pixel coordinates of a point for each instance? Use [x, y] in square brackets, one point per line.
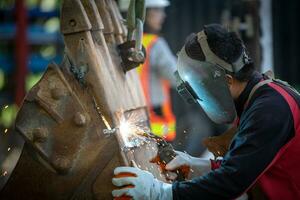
[264, 128]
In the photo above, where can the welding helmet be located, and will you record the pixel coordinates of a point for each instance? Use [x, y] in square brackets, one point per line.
[204, 82]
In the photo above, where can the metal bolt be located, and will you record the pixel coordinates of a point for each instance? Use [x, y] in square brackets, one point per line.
[79, 119]
[62, 164]
[4, 173]
[57, 93]
[72, 23]
[40, 135]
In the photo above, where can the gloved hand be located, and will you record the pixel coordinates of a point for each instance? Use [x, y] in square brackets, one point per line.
[146, 187]
[198, 166]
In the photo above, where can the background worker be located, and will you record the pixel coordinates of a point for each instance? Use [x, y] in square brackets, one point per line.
[215, 71]
[156, 74]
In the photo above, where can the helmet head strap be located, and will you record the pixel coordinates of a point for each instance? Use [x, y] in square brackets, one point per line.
[211, 57]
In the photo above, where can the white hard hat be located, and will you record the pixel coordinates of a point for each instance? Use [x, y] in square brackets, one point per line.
[124, 4]
[157, 3]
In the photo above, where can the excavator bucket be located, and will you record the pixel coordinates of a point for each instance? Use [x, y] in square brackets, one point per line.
[70, 122]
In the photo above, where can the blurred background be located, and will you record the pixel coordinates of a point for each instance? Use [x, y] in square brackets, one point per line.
[30, 39]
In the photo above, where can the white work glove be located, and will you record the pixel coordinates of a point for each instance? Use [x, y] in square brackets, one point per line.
[198, 166]
[146, 187]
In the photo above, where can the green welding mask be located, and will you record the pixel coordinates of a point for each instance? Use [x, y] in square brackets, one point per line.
[204, 82]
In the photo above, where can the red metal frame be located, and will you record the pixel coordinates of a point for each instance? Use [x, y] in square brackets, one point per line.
[21, 51]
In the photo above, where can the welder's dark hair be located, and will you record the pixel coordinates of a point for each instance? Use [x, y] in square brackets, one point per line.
[226, 45]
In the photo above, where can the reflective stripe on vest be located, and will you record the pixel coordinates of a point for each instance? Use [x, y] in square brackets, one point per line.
[163, 126]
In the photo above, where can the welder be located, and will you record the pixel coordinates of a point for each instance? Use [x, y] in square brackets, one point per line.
[215, 71]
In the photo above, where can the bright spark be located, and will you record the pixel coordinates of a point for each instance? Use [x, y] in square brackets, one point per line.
[5, 106]
[127, 131]
[131, 131]
[125, 128]
[8, 149]
[5, 131]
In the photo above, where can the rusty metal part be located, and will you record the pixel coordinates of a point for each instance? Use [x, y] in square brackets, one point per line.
[73, 23]
[66, 155]
[116, 21]
[47, 134]
[108, 30]
[71, 147]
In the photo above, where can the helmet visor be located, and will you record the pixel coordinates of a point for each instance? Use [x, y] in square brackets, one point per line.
[209, 87]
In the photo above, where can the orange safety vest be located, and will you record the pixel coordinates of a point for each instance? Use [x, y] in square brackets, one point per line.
[163, 126]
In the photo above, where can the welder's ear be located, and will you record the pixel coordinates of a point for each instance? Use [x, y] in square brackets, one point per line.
[229, 80]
